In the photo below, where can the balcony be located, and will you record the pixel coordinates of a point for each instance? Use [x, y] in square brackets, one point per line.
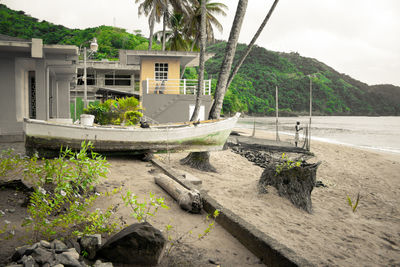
[175, 87]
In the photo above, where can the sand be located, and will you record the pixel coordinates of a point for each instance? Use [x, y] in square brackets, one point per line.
[332, 235]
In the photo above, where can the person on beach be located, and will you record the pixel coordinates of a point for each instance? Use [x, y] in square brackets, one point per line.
[296, 135]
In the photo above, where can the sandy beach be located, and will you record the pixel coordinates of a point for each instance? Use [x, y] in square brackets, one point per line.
[331, 236]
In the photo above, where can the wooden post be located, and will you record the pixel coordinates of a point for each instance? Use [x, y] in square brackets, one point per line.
[277, 113]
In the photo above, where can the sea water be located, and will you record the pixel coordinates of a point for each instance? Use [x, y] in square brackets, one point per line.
[377, 133]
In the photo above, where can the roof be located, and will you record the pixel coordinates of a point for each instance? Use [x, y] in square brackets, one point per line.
[4, 37]
[187, 58]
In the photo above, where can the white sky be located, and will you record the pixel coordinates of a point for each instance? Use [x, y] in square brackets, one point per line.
[358, 37]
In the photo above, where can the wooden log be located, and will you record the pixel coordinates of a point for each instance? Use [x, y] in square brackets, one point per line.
[189, 200]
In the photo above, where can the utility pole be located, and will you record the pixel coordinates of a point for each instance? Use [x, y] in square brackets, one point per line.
[277, 113]
[309, 124]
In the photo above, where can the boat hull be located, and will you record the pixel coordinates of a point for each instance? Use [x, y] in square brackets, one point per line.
[43, 136]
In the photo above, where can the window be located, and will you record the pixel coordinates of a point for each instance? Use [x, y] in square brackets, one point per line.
[121, 80]
[161, 71]
[90, 79]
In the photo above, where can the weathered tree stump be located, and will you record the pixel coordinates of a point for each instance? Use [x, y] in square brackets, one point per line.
[199, 161]
[295, 183]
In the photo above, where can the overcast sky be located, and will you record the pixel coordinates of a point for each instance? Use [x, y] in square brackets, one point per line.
[358, 37]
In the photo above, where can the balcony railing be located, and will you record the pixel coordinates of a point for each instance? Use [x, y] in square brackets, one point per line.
[175, 86]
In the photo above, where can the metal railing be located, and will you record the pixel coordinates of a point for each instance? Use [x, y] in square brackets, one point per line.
[175, 86]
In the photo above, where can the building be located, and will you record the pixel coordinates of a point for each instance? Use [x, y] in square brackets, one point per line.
[151, 76]
[35, 82]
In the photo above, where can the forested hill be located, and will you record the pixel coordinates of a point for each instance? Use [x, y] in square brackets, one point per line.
[253, 89]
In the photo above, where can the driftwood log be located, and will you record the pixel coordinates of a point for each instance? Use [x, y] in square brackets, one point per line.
[296, 184]
[189, 200]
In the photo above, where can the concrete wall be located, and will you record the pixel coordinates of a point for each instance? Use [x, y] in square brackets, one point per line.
[8, 122]
[148, 68]
[172, 108]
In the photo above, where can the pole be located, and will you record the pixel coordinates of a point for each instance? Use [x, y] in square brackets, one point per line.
[277, 112]
[309, 125]
[84, 79]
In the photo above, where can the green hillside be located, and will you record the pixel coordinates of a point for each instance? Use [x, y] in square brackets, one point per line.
[253, 89]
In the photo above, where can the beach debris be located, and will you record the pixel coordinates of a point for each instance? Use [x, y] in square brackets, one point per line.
[139, 244]
[189, 200]
[295, 183]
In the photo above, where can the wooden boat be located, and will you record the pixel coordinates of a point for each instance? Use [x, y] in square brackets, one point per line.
[46, 136]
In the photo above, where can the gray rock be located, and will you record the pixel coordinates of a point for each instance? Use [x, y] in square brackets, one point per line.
[139, 243]
[45, 244]
[67, 260]
[295, 184]
[29, 261]
[72, 243]
[90, 244]
[58, 245]
[72, 252]
[99, 263]
[42, 255]
[58, 265]
[15, 265]
[20, 252]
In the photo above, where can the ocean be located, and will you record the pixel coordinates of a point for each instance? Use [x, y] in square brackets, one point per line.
[376, 133]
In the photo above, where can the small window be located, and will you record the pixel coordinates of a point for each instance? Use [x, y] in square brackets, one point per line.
[161, 71]
[90, 79]
[120, 80]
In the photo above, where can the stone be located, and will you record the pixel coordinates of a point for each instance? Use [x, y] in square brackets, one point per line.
[58, 265]
[67, 260]
[191, 178]
[58, 245]
[73, 243]
[29, 261]
[90, 244]
[42, 255]
[20, 252]
[45, 244]
[295, 184]
[15, 265]
[99, 263]
[139, 243]
[73, 253]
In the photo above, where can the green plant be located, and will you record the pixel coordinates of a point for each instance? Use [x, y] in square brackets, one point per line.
[286, 164]
[355, 205]
[141, 211]
[9, 161]
[179, 238]
[61, 204]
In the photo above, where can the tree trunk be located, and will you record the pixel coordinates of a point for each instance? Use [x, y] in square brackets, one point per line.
[201, 160]
[164, 28]
[228, 59]
[151, 26]
[200, 84]
[251, 44]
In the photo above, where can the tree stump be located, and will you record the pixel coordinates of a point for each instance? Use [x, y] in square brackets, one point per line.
[295, 183]
[199, 160]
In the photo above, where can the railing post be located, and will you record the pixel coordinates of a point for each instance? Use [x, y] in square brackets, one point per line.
[147, 85]
[204, 87]
[184, 86]
[209, 87]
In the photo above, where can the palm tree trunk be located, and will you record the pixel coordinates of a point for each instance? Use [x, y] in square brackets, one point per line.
[151, 26]
[164, 28]
[228, 59]
[200, 84]
[201, 160]
[251, 44]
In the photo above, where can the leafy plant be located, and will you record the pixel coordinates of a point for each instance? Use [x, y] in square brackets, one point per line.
[142, 210]
[352, 205]
[286, 164]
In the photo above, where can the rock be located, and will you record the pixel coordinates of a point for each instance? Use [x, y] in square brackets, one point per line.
[139, 243]
[72, 252]
[296, 183]
[90, 244]
[58, 245]
[29, 261]
[15, 265]
[20, 252]
[45, 244]
[73, 243]
[42, 255]
[67, 260]
[99, 263]
[58, 265]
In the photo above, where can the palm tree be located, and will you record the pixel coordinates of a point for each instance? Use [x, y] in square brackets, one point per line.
[155, 10]
[174, 38]
[194, 19]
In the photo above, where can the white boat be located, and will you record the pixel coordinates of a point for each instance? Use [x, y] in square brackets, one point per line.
[42, 136]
